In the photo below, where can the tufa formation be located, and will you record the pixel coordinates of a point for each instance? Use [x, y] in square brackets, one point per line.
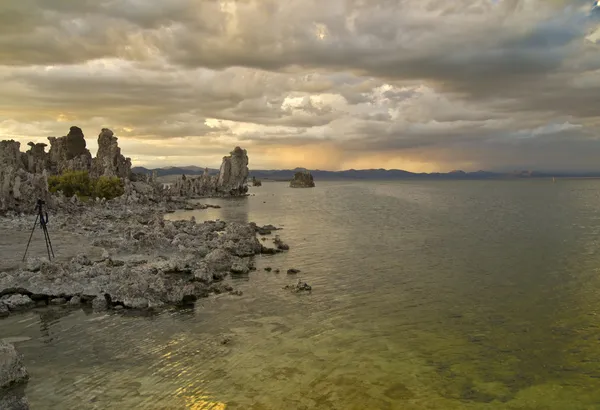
[23, 175]
[302, 179]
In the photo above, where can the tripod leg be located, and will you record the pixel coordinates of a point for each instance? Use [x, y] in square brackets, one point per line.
[30, 236]
[46, 239]
[49, 241]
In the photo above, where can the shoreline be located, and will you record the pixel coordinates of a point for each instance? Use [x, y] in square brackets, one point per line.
[134, 259]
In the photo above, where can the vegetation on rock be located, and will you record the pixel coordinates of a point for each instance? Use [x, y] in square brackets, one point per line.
[80, 183]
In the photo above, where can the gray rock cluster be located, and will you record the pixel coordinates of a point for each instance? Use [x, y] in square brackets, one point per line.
[23, 175]
[13, 377]
[148, 262]
[231, 180]
[302, 179]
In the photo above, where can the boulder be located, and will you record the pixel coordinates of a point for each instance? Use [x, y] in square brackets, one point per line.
[12, 370]
[302, 179]
[18, 302]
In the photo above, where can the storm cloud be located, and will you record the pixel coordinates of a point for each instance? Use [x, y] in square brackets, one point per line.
[421, 85]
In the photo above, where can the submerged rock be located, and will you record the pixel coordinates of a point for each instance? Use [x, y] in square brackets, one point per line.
[302, 179]
[299, 287]
[280, 244]
[293, 271]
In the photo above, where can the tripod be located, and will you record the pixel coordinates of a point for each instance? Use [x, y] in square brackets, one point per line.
[43, 217]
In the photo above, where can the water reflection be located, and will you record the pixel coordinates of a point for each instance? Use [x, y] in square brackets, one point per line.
[490, 300]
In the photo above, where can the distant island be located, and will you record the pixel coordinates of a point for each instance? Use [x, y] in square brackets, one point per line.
[372, 174]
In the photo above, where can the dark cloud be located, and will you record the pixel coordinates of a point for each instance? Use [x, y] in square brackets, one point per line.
[456, 82]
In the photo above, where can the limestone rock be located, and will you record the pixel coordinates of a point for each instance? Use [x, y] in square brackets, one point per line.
[4, 310]
[299, 287]
[109, 161]
[20, 190]
[18, 302]
[10, 156]
[231, 180]
[234, 172]
[14, 399]
[99, 303]
[302, 179]
[12, 370]
[256, 182]
[69, 152]
[36, 159]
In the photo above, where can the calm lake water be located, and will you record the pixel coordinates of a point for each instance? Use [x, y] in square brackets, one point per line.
[426, 295]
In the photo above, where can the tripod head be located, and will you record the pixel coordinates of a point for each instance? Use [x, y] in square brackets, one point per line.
[39, 205]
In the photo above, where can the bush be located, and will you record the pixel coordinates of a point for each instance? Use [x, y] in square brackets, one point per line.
[109, 187]
[79, 183]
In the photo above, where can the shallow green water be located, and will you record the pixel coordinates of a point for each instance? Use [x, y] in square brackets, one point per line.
[429, 295]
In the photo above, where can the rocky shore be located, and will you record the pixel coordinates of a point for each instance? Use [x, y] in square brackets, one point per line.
[144, 262]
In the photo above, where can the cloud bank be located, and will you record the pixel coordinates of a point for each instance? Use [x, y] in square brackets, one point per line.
[421, 85]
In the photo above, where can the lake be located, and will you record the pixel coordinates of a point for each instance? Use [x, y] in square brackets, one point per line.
[426, 295]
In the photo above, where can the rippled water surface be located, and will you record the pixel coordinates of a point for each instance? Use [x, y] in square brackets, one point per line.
[428, 295]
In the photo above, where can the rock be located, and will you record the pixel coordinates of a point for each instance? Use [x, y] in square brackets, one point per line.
[277, 271]
[119, 307]
[137, 303]
[105, 254]
[220, 287]
[13, 399]
[299, 287]
[4, 310]
[81, 260]
[69, 153]
[219, 260]
[33, 264]
[236, 293]
[240, 267]
[109, 162]
[233, 173]
[231, 180]
[20, 190]
[58, 301]
[268, 269]
[75, 301]
[99, 303]
[12, 370]
[293, 271]
[302, 179]
[256, 182]
[265, 250]
[280, 244]
[18, 302]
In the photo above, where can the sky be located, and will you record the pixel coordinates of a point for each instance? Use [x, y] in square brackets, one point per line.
[420, 85]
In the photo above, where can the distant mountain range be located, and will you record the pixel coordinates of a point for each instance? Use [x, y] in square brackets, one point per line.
[371, 174]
